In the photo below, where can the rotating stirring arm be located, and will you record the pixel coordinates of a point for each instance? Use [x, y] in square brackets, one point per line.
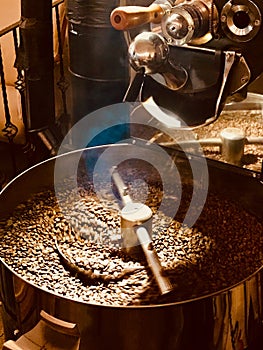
[136, 227]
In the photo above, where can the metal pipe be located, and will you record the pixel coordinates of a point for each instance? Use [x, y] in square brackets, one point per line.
[35, 58]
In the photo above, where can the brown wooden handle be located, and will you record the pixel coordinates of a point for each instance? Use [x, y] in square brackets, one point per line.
[127, 17]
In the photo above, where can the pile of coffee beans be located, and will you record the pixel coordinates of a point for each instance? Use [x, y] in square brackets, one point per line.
[224, 247]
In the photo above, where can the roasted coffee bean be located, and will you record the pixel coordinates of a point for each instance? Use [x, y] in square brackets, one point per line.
[224, 247]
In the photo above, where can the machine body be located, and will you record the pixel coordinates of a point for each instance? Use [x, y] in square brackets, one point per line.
[196, 55]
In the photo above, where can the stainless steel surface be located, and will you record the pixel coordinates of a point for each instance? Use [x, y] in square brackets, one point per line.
[149, 51]
[216, 47]
[136, 229]
[122, 188]
[230, 58]
[153, 261]
[134, 215]
[183, 23]
[241, 21]
[222, 321]
[233, 143]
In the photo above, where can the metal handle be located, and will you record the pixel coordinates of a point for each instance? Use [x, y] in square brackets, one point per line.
[153, 261]
[126, 17]
[49, 333]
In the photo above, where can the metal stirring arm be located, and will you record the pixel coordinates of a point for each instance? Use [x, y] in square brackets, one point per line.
[135, 225]
[153, 261]
[121, 187]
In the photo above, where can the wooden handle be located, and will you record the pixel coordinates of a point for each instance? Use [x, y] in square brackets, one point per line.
[127, 17]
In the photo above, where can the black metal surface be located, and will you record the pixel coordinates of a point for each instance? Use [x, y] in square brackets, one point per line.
[35, 57]
[98, 62]
[252, 50]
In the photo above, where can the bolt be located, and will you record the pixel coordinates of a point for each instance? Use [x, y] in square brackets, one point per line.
[16, 332]
[223, 18]
[244, 79]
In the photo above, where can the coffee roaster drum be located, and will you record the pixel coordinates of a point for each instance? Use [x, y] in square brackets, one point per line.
[220, 321]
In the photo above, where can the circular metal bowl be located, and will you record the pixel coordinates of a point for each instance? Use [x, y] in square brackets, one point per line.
[217, 321]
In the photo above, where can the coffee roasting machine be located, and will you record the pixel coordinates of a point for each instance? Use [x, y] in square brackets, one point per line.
[198, 285]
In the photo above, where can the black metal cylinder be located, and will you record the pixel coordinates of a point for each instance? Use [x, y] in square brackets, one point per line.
[98, 56]
[35, 57]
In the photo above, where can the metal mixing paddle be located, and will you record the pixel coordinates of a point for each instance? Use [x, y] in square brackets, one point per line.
[136, 227]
